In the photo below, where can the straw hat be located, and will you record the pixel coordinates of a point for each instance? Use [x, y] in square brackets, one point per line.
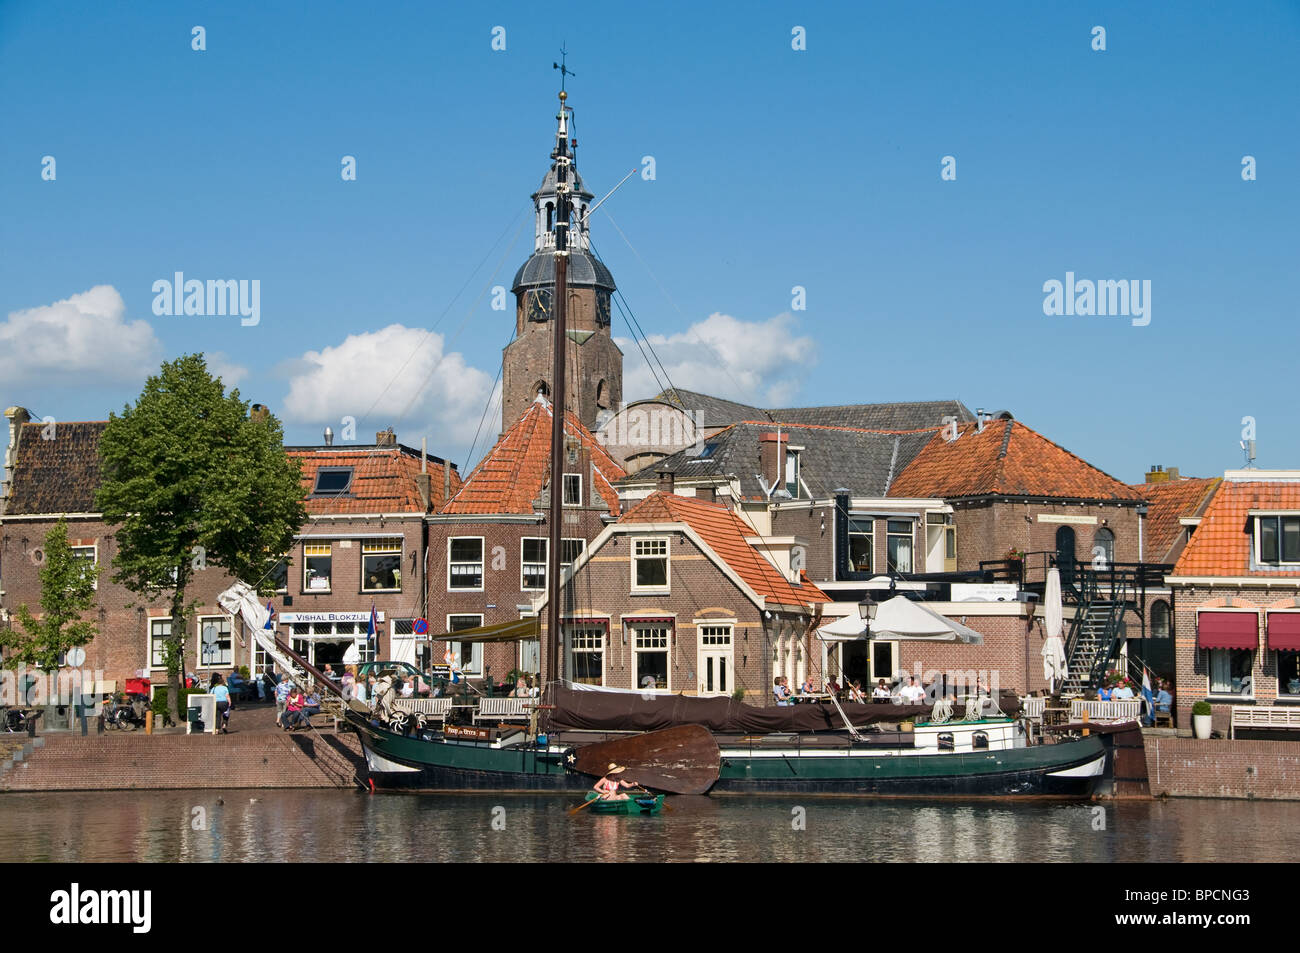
[615, 769]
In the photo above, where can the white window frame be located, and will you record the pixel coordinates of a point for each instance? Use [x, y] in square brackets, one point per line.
[911, 537]
[1209, 675]
[715, 649]
[307, 589]
[198, 644]
[94, 560]
[475, 665]
[546, 563]
[400, 551]
[1258, 534]
[632, 626]
[871, 549]
[564, 487]
[637, 541]
[883, 645]
[568, 626]
[795, 463]
[149, 639]
[482, 566]
[582, 548]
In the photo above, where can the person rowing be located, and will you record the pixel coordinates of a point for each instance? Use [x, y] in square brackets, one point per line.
[608, 786]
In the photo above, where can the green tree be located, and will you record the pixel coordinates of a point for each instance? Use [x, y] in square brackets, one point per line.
[67, 593]
[192, 481]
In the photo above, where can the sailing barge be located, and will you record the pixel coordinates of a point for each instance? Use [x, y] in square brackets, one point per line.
[731, 748]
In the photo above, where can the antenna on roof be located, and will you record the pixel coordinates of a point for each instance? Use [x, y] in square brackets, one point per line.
[1248, 447]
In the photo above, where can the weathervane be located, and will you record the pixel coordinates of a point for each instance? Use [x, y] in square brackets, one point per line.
[564, 70]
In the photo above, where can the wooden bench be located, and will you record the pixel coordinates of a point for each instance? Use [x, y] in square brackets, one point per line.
[1263, 716]
[433, 709]
[503, 709]
[1123, 710]
[1032, 708]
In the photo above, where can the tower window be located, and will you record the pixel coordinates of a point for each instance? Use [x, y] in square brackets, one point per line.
[550, 216]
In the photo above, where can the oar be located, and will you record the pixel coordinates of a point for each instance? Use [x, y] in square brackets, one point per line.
[583, 804]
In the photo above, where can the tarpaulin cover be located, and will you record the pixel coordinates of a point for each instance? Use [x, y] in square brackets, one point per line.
[627, 711]
[1227, 630]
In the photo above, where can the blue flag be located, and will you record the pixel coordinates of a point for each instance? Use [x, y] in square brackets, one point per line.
[1148, 702]
[373, 629]
[270, 613]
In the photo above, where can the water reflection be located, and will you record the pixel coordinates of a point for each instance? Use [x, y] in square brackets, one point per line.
[260, 826]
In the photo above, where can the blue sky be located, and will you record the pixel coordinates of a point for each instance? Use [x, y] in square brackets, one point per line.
[774, 168]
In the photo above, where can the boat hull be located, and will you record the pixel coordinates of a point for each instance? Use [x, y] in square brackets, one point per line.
[1071, 769]
[633, 805]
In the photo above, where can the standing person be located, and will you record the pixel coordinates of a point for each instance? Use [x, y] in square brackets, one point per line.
[359, 691]
[222, 694]
[349, 679]
[281, 698]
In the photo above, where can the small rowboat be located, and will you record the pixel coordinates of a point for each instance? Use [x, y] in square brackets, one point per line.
[636, 804]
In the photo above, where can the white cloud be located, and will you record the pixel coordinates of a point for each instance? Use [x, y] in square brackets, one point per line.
[220, 365]
[84, 335]
[398, 377]
[756, 362]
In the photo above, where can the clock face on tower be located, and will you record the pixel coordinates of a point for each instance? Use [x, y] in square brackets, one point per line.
[539, 305]
[602, 309]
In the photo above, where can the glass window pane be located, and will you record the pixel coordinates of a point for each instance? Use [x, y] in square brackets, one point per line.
[1268, 539]
[1291, 540]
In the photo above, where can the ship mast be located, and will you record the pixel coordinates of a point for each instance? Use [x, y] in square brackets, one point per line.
[564, 207]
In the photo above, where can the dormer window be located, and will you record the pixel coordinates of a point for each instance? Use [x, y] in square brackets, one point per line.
[332, 481]
[792, 472]
[1277, 540]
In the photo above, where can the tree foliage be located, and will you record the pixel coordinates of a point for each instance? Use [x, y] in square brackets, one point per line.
[67, 593]
[191, 481]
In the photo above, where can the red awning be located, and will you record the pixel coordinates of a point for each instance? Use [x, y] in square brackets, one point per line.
[1284, 631]
[1227, 630]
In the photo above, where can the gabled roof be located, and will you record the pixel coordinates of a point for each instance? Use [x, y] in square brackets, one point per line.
[1006, 459]
[901, 415]
[1221, 545]
[725, 533]
[863, 461]
[1167, 503]
[383, 479]
[59, 474]
[516, 470]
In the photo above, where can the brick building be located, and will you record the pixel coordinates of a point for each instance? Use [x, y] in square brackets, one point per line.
[488, 544]
[677, 592]
[1237, 596]
[364, 543]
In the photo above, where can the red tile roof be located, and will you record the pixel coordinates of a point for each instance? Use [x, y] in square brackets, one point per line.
[1167, 503]
[725, 534]
[1221, 544]
[516, 470]
[1006, 459]
[383, 479]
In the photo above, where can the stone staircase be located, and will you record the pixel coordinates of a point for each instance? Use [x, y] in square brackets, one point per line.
[119, 761]
[1093, 640]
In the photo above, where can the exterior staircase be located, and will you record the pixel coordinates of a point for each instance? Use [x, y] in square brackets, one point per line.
[1096, 637]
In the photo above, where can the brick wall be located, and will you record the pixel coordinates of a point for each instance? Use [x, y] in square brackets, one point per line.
[988, 530]
[1186, 767]
[1010, 648]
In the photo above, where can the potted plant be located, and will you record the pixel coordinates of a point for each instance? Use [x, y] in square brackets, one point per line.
[1201, 718]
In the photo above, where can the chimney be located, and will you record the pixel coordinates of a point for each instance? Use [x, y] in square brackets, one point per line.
[424, 486]
[1171, 473]
[329, 437]
[17, 417]
[1157, 475]
[259, 412]
[771, 459]
[665, 484]
[386, 438]
[979, 420]
[708, 494]
[446, 481]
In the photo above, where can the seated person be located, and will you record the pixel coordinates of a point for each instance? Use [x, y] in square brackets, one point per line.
[1164, 701]
[1122, 693]
[856, 694]
[1103, 694]
[808, 687]
[779, 691]
[881, 691]
[311, 706]
[912, 693]
[521, 688]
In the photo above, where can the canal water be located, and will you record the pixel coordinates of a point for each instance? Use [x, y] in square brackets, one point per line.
[336, 826]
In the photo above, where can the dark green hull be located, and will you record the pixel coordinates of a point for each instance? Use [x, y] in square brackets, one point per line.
[1070, 769]
[634, 804]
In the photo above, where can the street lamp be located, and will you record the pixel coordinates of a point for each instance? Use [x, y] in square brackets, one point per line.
[867, 609]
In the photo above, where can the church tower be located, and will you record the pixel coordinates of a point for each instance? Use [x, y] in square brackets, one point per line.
[594, 379]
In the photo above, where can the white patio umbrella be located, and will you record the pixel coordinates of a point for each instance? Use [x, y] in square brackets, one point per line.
[1053, 645]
